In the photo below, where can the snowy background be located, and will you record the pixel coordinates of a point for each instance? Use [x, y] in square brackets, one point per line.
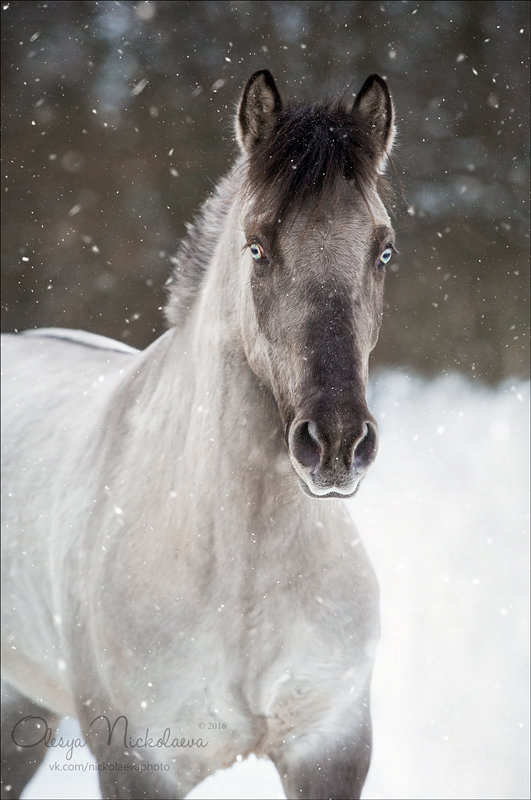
[444, 515]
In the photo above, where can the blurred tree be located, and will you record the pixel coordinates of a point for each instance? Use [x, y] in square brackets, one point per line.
[118, 120]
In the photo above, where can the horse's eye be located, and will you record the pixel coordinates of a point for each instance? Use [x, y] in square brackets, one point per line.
[386, 256]
[257, 251]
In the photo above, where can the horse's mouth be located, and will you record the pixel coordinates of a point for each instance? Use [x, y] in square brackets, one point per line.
[327, 495]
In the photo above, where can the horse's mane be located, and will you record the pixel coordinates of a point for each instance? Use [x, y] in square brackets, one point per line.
[196, 250]
[308, 149]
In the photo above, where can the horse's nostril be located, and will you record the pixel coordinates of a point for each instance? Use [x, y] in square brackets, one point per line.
[305, 445]
[365, 448]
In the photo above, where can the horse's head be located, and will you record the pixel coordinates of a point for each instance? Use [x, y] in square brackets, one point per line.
[318, 238]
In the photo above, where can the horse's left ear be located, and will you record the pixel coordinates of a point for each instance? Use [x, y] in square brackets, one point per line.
[258, 109]
[374, 106]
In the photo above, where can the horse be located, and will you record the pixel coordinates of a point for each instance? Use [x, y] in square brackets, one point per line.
[180, 572]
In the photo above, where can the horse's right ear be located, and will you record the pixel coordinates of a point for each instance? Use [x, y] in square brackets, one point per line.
[258, 110]
[374, 105]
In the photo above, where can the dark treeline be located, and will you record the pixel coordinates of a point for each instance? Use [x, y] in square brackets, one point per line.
[118, 120]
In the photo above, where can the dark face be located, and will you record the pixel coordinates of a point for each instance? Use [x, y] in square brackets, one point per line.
[313, 309]
[313, 270]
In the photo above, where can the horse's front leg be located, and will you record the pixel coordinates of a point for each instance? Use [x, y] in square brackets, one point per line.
[327, 764]
[23, 743]
[125, 772]
[135, 785]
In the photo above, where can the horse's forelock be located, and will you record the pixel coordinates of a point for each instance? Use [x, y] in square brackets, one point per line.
[308, 151]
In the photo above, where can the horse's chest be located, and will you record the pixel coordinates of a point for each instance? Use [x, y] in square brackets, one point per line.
[267, 677]
[244, 666]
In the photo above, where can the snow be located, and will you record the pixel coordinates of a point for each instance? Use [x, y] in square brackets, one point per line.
[444, 515]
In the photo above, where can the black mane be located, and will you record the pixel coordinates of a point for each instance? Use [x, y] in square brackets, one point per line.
[309, 149]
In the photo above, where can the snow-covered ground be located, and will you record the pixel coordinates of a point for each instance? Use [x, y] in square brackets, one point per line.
[444, 515]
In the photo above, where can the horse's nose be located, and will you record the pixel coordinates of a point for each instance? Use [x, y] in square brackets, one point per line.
[329, 459]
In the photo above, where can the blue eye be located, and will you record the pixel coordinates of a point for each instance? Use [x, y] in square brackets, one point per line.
[257, 251]
[386, 256]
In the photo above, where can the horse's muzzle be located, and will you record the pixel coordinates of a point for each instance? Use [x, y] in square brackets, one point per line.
[331, 460]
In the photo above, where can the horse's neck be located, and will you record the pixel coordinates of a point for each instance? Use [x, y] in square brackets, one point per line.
[200, 411]
[233, 415]
[203, 440]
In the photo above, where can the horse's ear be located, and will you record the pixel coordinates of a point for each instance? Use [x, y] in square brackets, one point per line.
[374, 106]
[258, 109]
